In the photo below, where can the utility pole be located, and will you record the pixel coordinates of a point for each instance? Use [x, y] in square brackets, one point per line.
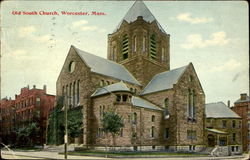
[66, 128]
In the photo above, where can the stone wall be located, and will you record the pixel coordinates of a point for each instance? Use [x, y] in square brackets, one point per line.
[181, 104]
[142, 127]
[139, 62]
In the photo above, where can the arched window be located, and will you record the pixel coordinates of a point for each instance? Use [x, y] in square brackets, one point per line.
[166, 108]
[71, 66]
[144, 44]
[134, 45]
[152, 132]
[102, 83]
[153, 118]
[191, 104]
[153, 47]
[74, 93]
[78, 91]
[134, 118]
[125, 47]
[163, 54]
[113, 52]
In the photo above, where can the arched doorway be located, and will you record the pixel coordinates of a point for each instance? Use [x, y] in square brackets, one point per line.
[211, 140]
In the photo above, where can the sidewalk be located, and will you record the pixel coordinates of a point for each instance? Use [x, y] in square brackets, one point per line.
[47, 155]
[55, 155]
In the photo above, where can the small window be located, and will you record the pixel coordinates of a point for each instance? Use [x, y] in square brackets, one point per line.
[71, 66]
[102, 83]
[234, 137]
[166, 133]
[37, 101]
[153, 147]
[118, 98]
[134, 118]
[233, 124]
[166, 108]
[224, 124]
[237, 148]
[124, 98]
[190, 78]
[232, 148]
[152, 118]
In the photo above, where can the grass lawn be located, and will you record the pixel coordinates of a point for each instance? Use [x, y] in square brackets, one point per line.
[134, 154]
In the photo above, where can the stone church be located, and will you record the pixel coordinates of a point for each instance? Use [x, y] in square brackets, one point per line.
[162, 108]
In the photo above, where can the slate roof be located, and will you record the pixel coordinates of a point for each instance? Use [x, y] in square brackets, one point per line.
[120, 86]
[219, 110]
[106, 67]
[139, 9]
[164, 80]
[139, 102]
[242, 101]
[216, 131]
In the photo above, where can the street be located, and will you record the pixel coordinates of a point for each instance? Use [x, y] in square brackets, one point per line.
[55, 155]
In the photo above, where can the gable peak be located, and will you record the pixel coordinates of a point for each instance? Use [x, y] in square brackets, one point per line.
[139, 9]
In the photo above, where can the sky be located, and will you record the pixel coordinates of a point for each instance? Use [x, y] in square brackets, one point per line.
[213, 35]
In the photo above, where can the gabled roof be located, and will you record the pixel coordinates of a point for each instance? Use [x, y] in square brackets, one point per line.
[242, 101]
[164, 80]
[120, 86]
[139, 102]
[106, 67]
[139, 9]
[219, 110]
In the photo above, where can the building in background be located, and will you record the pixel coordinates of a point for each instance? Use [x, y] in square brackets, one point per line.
[31, 105]
[223, 129]
[7, 114]
[242, 108]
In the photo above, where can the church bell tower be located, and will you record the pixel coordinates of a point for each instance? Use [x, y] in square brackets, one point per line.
[140, 44]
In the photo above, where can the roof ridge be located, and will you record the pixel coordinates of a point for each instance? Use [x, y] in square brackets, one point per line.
[215, 102]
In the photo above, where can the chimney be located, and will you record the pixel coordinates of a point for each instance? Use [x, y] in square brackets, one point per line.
[15, 96]
[243, 96]
[228, 103]
[34, 86]
[28, 87]
[44, 88]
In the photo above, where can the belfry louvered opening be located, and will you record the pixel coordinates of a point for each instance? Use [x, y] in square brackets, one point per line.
[153, 47]
[125, 47]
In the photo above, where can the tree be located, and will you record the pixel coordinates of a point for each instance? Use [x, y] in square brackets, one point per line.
[27, 136]
[112, 123]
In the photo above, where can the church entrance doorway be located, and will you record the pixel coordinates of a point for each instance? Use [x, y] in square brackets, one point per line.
[211, 140]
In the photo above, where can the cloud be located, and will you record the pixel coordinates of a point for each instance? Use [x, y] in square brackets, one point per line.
[215, 39]
[25, 31]
[83, 26]
[186, 17]
[19, 54]
[79, 23]
[229, 65]
[48, 39]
